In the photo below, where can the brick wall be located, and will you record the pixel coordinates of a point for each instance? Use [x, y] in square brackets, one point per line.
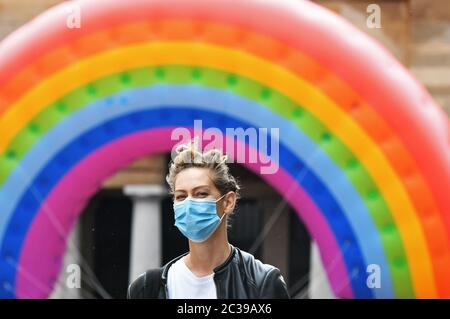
[417, 32]
[430, 47]
[14, 13]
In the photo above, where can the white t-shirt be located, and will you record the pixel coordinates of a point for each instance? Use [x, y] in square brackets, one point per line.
[183, 284]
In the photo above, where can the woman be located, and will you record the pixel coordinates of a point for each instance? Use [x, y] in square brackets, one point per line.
[205, 194]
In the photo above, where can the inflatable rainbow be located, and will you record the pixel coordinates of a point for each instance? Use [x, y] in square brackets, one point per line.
[361, 142]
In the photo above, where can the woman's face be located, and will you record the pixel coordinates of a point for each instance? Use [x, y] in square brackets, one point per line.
[197, 183]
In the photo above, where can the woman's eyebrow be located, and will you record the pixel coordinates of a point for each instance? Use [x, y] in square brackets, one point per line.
[200, 186]
[194, 189]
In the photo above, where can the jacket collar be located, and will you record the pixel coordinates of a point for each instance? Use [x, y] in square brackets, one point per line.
[167, 266]
[227, 262]
[218, 269]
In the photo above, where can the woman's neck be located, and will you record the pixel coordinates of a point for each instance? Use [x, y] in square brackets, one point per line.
[204, 257]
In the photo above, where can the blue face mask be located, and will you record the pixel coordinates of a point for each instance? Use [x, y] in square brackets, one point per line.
[197, 218]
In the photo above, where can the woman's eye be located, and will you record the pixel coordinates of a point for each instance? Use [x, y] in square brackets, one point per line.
[202, 194]
[179, 198]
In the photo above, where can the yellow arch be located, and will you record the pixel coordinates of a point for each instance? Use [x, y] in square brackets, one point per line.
[273, 76]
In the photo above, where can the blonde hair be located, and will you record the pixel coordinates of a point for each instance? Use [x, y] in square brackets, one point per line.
[189, 155]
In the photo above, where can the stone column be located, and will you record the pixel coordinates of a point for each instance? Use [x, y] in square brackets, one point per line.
[146, 233]
[319, 287]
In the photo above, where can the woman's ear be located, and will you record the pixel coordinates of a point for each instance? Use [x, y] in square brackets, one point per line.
[229, 202]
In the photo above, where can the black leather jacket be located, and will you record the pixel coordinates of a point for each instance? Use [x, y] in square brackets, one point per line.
[241, 276]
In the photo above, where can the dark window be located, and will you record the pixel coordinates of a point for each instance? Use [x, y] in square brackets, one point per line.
[246, 225]
[105, 238]
[299, 256]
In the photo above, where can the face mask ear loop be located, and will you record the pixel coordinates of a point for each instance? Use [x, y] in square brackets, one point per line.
[221, 197]
[223, 212]
[223, 215]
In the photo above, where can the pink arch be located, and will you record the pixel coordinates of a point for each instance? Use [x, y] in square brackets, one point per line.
[38, 268]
